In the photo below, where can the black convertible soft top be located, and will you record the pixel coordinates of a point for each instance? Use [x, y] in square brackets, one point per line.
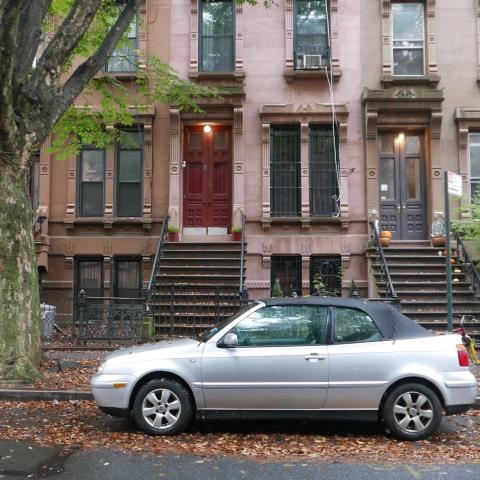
[391, 323]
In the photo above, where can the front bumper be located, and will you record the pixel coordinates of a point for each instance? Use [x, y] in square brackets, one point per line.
[107, 396]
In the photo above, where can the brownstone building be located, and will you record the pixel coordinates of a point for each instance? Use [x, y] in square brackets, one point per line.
[334, 112]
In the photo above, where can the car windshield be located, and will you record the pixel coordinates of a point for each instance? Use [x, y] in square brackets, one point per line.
[205, 336]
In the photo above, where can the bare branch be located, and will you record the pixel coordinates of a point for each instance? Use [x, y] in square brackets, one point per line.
[87, 70]
[29, 34]
[62, 45]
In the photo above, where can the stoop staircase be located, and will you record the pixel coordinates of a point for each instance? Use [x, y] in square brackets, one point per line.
[197, 284]
[418, 275]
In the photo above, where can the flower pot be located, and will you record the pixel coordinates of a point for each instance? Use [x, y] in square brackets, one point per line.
[386, 234]
[236, 236]
[173, 236]
[438, 241]
[385, 241]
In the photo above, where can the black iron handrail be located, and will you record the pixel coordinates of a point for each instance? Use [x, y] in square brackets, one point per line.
[242, 255]
[158, 253]
[464, 257]
[385, 272]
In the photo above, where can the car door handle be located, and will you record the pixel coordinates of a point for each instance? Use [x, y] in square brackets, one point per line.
[315, 357]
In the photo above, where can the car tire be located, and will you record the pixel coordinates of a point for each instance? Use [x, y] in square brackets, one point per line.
[412, 411]
[162, 407]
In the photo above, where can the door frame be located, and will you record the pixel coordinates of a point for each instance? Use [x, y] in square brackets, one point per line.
[183, 164]
[425, 168]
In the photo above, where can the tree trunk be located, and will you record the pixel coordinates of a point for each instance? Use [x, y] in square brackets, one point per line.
[19, 292]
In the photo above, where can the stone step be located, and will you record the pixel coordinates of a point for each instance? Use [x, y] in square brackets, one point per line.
[395, 268]
[205, 270]
[199, 279]
[199, 260]
[426, 285]
[203, 247]
[416, 276]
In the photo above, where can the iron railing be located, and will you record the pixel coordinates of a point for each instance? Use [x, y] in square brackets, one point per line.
[384, 271]
[242, 288]
[85, 318]
[464, 258]
[158, 253]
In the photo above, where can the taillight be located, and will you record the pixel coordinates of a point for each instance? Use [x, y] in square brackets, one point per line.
[462, 356]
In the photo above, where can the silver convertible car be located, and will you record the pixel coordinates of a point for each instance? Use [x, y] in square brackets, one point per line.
[294, 358]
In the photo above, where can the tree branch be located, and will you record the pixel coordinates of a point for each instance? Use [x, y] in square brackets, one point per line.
[61, 46]
[52, 111]
[29, 34]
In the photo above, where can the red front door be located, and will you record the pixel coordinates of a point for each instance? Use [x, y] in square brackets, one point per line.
[207, 179]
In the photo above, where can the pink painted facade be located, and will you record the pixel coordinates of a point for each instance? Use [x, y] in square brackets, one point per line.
[270, 92]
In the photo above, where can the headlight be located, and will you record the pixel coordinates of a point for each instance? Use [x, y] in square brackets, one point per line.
[100, 368]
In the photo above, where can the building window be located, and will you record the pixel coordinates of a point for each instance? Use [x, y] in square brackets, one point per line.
[35, 181]
[124, 57]
[408, 38]
[311, 44]
[328, 270]
[474, 154]
[89, 276]
[216, 36]
[323, 163]
[91, 182]
[127, 281]
[288, 270]
[129, 174]
[285, 171]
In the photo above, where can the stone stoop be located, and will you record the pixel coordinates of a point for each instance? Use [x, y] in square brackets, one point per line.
[197, 285]
[419, 278]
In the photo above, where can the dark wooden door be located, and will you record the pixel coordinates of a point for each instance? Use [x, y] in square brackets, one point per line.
[207, 179]
[402, 185]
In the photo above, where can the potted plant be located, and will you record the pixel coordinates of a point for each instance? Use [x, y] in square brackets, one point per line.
[236, 234]
[173, 233]
[277, 291]
[385, 238]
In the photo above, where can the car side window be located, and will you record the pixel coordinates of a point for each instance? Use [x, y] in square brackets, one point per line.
[283, 325]
[352, 326]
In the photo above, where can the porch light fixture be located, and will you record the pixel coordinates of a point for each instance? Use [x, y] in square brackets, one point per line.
[207, 128]
[401, 137]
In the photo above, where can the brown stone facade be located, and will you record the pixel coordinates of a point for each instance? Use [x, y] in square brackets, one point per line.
[358, 90]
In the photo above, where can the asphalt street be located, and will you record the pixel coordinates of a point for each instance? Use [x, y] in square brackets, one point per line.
[28, 460]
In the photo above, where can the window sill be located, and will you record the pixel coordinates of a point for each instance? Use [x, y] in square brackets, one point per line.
[236, 76]
[107, 222]
[431, 80]
[118, 75]
[291, 74]
[304, 222]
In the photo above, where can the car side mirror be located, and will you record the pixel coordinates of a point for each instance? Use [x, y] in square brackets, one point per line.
[230, 340]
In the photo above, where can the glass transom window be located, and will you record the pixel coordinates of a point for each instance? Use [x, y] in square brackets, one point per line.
[408, 38]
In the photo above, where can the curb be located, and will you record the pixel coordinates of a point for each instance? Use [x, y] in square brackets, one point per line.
[65, 395]
[60, 395]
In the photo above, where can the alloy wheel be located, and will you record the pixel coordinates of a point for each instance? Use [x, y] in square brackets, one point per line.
[413, 412]
[161, 408]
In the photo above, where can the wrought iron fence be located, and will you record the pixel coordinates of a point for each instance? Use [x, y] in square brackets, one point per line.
[85, 319]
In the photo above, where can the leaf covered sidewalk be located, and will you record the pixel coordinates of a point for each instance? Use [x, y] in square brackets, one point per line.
[82, 425]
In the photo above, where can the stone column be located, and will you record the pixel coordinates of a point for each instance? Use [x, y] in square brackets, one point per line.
[239, 166]
[175, 168]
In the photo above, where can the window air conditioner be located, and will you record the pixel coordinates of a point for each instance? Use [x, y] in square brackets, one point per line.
[312, 62]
